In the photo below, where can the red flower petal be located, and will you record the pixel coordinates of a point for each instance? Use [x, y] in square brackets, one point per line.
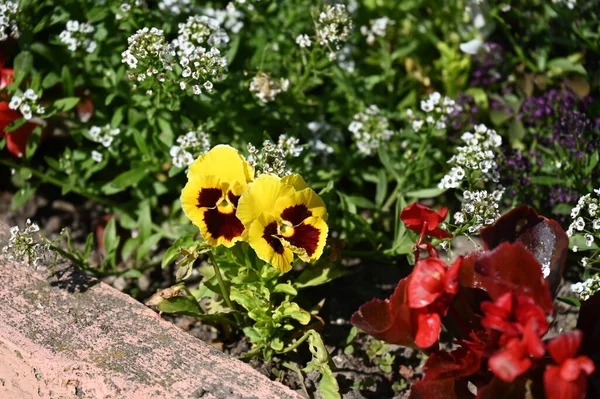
[565, 346]
[415, 216]
[557, 388]
[451, 277]
[429, 326]
[511, 362]
[426, 282]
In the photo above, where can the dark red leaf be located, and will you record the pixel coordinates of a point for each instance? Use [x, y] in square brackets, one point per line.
[543, 237]
[498, 389]
[461, 362]
[507, 268]
[438, 389]
[390, 320]
[589, 323]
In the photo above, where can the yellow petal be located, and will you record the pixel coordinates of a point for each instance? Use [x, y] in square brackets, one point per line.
[261, 237]
[261, 197]
[296, 181]
[308, 239]
[302, 204]
[224, 162]
[191, 194]
[220, 228]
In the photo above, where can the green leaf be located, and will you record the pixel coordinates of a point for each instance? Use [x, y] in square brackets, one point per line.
[33, 142]
[147, 245]
[546, 180]
[132, 273]
[66, 104]
[183, 305]
[516, 130]
[292, 310]
[593, 162]
[328, 386]
[314, 276]
[382, 188]
[67, 81]
[172, 253]
[15, 125]
[124, 180]
[426, 193]
[22, 196]
[566, 65]
[570, 300]
[23, 64]
[499, 117]
[360, 202]
[111, 240]
[285, 288]
[50, 80]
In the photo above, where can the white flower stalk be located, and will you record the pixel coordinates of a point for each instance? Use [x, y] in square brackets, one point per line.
[148, 55]
[267, 88]
[334, 27]
[272, 158]
[175, 7]
[370, 129]
[78, 36]
[478, 209]
[189, 147]
[303, 41]
[27, 104]
[26, 245]
[103, 135]
[8, 19]
[377, 28]
[585, 289]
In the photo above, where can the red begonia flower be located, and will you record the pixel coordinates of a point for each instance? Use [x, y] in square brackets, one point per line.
[425, 220]
[568, 378]
[6, 77]
[510, 313]
[16, 141]
[431, 287]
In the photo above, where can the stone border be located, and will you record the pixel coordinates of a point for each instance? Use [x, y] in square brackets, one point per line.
[75, 337]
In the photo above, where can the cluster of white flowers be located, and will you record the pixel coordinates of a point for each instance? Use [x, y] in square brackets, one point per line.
[319, 131]
[229, 18]
[267, 88]
[587, 288]
[586, 216]
[8, 22]
[303, 41]
[103, 135]
[27, 104]
[189, 145]
[569, 3]
[370, 129]
[377, 28]
[477, 155]
[175, 7]
[478, 209]
[334, 27]
[78, 35]
[344, 59]
[200, 65]
[24, 245]
[437, 110]
[272, 158]
[126, 7]
[148, 55]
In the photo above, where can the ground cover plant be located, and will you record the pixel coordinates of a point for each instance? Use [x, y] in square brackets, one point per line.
[260, 169]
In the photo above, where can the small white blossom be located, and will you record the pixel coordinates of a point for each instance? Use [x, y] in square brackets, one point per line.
[370, 129]
[78, 35]
[267, 88]
[8, 19]
[377, 28]
[584, 290]
[334, 26]
[25, 245]
[189, 145]
[589, 239]
[97, 156]
[272, 158]
[103, 135]
[303, 41]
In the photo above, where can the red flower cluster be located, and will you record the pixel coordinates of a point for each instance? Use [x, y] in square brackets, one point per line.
[495, 302]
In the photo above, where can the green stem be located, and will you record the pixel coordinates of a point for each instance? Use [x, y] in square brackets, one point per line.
[224, 290]
[296, 344]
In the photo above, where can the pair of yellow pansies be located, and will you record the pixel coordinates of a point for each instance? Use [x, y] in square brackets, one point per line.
[278, 217]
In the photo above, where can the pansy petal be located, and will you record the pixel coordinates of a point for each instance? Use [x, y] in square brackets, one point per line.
[225, 162]
[261, 237]
[295, 181]
[261, 197]
[200, 192]
[220, 228]
[299, 206]
[308, 239]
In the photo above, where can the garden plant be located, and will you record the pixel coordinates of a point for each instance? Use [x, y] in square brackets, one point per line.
[265, 173]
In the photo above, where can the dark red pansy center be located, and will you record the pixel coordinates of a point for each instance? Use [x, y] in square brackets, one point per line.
[233, 198]
[208, 197]
[225, 225]
[268, 235]
[296, 214]
[306, 237]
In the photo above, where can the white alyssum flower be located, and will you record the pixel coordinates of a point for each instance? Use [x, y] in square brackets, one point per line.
[585, 289]
[148, 54]
[479, 209]
[189, 146]
[570, 4]
[27, 104]
[334, 26]
[585, 222]
[478, 155]
[78, 36]
[26, 245]
[8, 19]
[267, 88]
[103, 135]
[303, 41]
[175, 7]
[370, 128]
[377, 28]
[272, 158]
[97, 156]
[230, 18]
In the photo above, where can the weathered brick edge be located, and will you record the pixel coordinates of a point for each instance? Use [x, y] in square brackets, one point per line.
[74, 337]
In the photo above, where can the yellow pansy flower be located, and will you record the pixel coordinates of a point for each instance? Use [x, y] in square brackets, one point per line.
[282, 216]
[216, 180]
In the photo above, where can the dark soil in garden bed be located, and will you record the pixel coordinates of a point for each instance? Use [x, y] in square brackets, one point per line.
[359, 375]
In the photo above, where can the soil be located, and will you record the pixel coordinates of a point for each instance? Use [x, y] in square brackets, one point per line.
[358, 374]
